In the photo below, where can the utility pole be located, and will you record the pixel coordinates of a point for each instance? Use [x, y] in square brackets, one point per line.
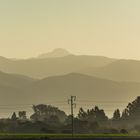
[73, 105]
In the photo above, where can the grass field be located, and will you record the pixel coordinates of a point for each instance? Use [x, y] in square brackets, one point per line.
[62, 136]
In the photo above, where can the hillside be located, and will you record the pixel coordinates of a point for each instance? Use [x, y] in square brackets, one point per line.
[11, 94]
[98, 66]
[83, 86]
[120, 70]
[60, 88]
[14, 80]
[41, 68]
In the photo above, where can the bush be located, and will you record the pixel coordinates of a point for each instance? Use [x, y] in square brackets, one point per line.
[123, 131]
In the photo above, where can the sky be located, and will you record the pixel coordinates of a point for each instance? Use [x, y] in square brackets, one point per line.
[94, 27]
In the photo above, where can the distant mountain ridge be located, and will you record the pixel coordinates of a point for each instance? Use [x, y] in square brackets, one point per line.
[120, 70]
[98, 66]
[15, 80]
[56, 78]
[83, 86]
[59, 52]
[10, 88]
[58, 88]
[41, 68]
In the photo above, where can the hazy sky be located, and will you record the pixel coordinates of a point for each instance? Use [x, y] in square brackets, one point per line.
[97, 27]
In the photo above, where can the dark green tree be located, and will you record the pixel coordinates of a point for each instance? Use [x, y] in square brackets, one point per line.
[92, 115]
[14, 117]
[125, 114]
[133, 109]
[116, 115]
[82, 115]
[22, 115]
[45, 112]
[100, 115]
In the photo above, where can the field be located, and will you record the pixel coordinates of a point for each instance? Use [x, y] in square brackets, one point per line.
[68, 136]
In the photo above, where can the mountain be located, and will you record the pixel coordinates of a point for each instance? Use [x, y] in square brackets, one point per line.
[59, 52]
[98, 66]
[14, 80]
[120, 70]
[10, 88]
[56, 90]
[3, 59]
[86, 88]
[41, 68]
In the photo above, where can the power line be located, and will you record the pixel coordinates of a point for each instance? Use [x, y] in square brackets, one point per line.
[102, 101]
[64, 102]
[107, 105]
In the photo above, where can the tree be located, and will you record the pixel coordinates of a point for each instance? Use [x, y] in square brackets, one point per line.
[22, 115]
[116, 115]
[132, 112]
[92, 115]
[81, 126]
[14, 117]
[82, 115]
[54, 120]
[93, 126]
[125, 114]
[45, 112]
[100, 115]
[123, 131]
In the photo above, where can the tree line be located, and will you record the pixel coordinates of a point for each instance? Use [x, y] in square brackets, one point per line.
[50, 119]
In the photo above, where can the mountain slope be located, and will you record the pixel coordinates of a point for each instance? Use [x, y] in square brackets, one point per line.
[82, 86]
[60, 88]
[40, 68]
[120, 70]
[102, 67]
[14, 81]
